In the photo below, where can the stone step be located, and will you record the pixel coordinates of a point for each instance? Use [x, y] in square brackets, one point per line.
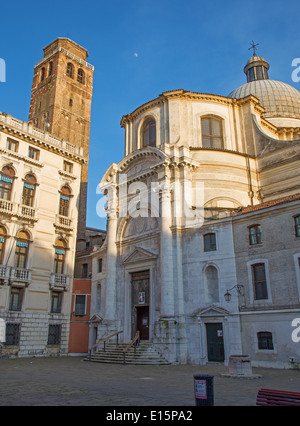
[145, 355]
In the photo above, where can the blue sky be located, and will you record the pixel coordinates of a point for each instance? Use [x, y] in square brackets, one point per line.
[192, 44]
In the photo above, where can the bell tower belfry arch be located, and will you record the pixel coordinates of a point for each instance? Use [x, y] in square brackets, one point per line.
[61, 99]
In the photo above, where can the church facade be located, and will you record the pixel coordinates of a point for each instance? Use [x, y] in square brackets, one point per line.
[202, 248]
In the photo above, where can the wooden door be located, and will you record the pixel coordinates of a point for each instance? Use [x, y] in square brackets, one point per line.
[215, 342]
[143, 322]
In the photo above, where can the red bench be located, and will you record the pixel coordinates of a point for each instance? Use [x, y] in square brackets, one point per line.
[270, 397]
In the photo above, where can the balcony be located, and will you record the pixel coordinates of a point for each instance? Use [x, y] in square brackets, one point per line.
[20, 276]
[7, 207]
[28, 213]
[4, 274]
[60, 281]
[10, 208]
[64, 222]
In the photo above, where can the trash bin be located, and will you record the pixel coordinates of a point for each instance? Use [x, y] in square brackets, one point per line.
[204, 390]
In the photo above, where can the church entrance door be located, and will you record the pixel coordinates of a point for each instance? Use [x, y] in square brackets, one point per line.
[140, 303]
[143, 322]
[215, 342]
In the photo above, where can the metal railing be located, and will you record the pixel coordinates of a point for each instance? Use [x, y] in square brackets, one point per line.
[135, 342]
[104, 342]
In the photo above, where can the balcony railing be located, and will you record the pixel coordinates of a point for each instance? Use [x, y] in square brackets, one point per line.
[64, 222]
[11, 208]
[20, 275]
[41, 135]
[27, 212]
[59, 281]
[7, 207]
[4, 273]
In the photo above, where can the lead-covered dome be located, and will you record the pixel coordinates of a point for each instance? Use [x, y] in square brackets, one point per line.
[279, 99]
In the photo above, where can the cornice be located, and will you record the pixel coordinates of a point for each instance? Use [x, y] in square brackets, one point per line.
[175, 94]
[21, 157]
[46, 141]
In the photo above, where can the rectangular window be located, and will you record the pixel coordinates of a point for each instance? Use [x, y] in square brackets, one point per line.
[16, 298]
[33, 153]
[12, 145]
[265, 340]
[210, 242]
[100, 266]
[54, 334]
[85, 269]
[13, 334]
[297, 226]
[80, 303]
[68, 167]
[212, 132]
[21, 252]
[259, 281]
[56, 299]
[50, 70]
[255, 236]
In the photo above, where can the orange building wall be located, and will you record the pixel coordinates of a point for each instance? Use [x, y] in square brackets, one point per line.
[79, 325]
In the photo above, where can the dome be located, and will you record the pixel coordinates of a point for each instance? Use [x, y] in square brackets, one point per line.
[279, 99]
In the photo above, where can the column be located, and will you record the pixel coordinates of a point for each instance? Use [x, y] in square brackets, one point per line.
[111, 277]
[166, 255]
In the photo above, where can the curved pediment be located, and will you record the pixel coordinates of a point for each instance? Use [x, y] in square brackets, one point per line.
[137, 226]
[148, 154]
[136, 164]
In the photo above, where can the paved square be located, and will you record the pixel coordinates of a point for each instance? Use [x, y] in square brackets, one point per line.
[74, 382]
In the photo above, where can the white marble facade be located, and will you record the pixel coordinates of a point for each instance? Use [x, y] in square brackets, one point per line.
[192, 163]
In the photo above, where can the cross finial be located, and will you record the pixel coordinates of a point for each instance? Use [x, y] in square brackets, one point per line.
[253, 46]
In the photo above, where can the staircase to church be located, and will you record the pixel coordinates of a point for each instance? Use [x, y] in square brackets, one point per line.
[144, 354]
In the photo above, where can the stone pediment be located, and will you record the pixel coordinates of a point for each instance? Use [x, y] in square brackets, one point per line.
[96, 319]
[211, 311]
[139, 255]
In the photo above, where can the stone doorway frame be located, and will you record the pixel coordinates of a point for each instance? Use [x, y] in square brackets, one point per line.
[138, 260]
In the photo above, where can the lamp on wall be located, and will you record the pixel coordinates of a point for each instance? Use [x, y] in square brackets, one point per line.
[239, 289]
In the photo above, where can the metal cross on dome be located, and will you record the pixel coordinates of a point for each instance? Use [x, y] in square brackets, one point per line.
[253, 46]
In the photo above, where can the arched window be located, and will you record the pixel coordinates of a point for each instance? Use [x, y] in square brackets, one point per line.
[21, 253]
[211, 281]
[60, 255]
[6, 182]
[64, 202]
[28, 190]
[80, 76]
[212, 132]
[70, 70]
[2, 244]
[148, 135]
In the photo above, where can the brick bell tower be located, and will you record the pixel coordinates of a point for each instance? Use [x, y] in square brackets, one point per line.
[61, 99]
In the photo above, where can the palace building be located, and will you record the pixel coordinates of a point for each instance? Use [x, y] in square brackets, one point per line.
[43, 189]
[203, 244]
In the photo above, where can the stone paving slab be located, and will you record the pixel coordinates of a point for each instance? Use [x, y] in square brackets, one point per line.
[71, 381]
